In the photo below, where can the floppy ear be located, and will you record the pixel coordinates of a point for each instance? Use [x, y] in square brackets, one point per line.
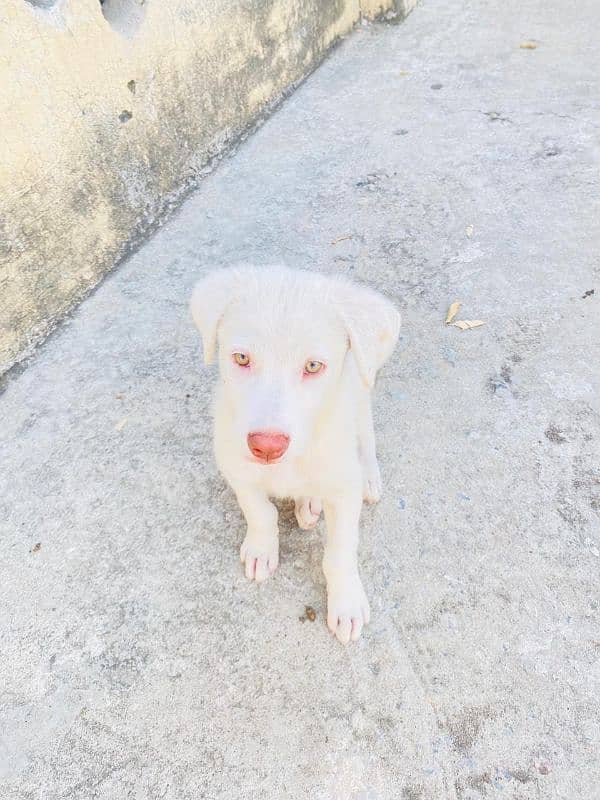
[372, 324]
[210, 298]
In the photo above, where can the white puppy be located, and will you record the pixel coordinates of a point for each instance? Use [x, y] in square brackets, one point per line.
[298, 355]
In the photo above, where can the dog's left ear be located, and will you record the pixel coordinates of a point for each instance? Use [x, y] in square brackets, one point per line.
[210, 298]
[372, 324]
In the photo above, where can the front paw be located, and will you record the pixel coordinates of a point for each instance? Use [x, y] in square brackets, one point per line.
[347, 607]
[371, 482]
[260, 556]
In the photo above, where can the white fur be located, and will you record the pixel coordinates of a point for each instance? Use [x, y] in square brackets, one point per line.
[282, 318]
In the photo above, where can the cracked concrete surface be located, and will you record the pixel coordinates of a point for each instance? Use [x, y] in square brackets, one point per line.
[137, 662]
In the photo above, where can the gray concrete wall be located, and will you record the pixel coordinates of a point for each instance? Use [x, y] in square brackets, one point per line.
[111, 110]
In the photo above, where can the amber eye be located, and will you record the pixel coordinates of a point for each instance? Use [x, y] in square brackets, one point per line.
[242, 359]
[312, 367]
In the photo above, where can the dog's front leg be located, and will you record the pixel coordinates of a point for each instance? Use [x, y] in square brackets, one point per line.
[260, 549]
[347, 604]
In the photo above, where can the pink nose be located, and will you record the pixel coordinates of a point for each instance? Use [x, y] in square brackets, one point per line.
[268, 445]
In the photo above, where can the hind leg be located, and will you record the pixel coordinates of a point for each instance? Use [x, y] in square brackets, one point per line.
[366, 449]
[308, 511]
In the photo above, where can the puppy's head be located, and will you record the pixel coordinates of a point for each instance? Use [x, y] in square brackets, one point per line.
[283, 337]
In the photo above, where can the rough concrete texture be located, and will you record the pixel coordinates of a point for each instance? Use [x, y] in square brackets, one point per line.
[137, 662]
[111, 112]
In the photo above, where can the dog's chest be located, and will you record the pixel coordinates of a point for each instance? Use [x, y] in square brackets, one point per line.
[287, 480]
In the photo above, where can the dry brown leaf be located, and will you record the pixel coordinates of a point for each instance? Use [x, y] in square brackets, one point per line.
[469, 231]
[467, 324]
[342, 238]
[121, 424]
[528, 46]
[452, 311]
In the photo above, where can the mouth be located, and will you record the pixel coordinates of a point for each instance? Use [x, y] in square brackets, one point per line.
[264, 462]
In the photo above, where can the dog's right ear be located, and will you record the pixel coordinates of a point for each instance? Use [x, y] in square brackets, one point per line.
[372, 324]
[210, 298]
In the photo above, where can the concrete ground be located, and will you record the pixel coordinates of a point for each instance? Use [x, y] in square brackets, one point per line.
[439, 161]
